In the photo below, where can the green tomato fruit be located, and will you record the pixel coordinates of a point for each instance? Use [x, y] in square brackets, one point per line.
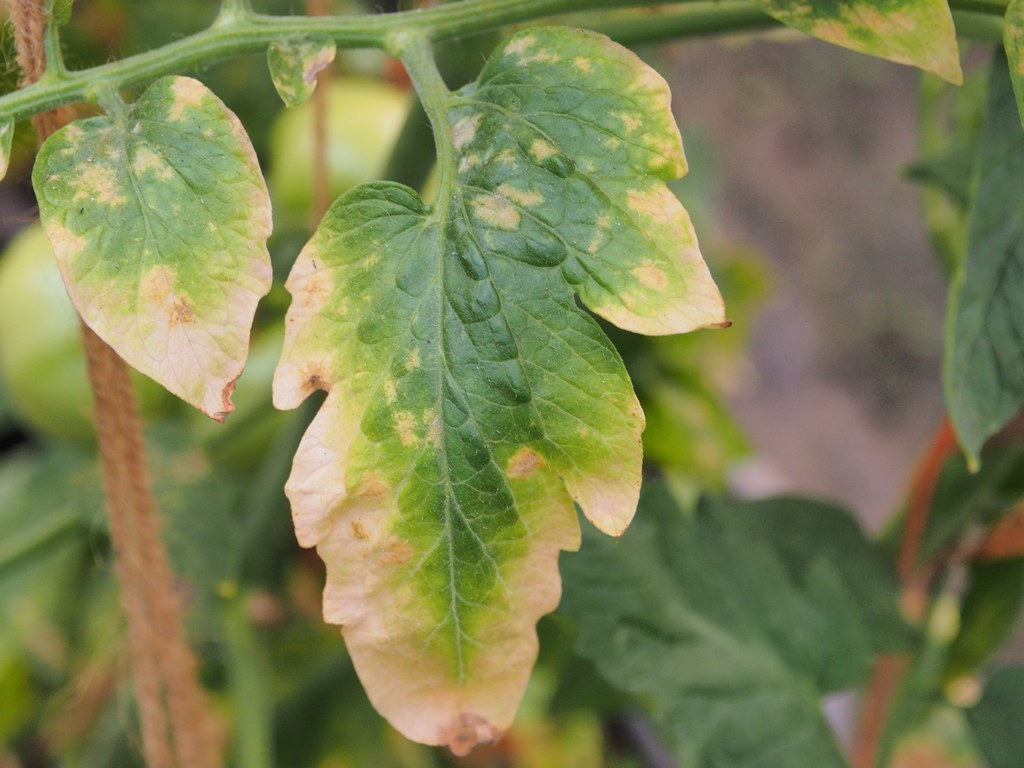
[42, 363]
[364, 118]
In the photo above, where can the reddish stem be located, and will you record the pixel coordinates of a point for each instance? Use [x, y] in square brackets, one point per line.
[888, 671]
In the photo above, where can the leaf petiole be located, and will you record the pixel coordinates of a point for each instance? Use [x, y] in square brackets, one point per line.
[416, 52]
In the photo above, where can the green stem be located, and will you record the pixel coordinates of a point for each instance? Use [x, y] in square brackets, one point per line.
[417, 54]
[253, 710]
[51, 46]
[987, 27]
[236, 32]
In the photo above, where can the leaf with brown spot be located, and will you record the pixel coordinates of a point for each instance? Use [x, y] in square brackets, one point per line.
[294, 63]
[915, 32]
[471, 401]
[159, 219]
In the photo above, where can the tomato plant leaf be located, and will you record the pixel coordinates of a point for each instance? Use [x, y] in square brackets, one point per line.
[471, 400]
[6, 137]
[1013, 42]
[159, 218]
[806, 532]
[996, 719]
[916, 32]
[294, 63]
[730, 644]
[984, 362]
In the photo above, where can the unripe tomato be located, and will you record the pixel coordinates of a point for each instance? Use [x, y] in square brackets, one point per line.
[364, 118]
[42, 362]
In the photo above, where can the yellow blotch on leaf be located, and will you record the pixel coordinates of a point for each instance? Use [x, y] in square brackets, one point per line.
[99, 184]
[657, 204]
[520, 196]
[541, 150]
[520, 45]
[371, 485]
[650, 276]
[464, 130]
[498, 211]
[405, 427]
[413, 361]
[187, 93]
[523, 463]
[157, 289]
[146, 161]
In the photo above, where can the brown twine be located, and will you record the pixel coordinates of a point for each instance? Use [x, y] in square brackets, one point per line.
[176, 730]
[321, 179]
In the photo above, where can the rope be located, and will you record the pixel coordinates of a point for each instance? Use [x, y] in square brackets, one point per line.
[176, 729]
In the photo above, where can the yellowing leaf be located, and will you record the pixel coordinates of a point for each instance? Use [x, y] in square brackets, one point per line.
[294, 63]
[471, 400]
[159, 218]
[916, 32]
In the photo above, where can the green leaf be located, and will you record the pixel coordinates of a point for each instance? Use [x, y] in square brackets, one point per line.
[159, 218]
[294, 63]
[963, 498]
[805, 533]
[704, 620]
[997, 717]
[984, 362]
[987, 615]
[916, 32]
[1013, 42]
[471, 401]
[6, 137]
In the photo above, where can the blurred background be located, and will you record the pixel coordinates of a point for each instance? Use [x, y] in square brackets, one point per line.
[828, 384]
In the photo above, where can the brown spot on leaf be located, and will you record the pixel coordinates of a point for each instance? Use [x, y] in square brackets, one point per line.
[541, 150]
[359, 530]
[497, 211]
[371, 484]
[405, 426]
[466, 732]
[397, 553]
[523, 463]
[520, 45]
[520, 196]
[464, 130]
[650, 276]
[181, 313]
[314, 376]
[187, 93]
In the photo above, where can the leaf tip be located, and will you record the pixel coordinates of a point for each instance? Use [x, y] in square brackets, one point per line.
[226, 406]
[466, 732]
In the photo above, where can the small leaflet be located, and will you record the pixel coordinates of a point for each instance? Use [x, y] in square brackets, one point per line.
[915, 32]
[6, 137]
[984, 363]
[159, 218]
[471, 401]
[294, 63]
[1013, 42]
